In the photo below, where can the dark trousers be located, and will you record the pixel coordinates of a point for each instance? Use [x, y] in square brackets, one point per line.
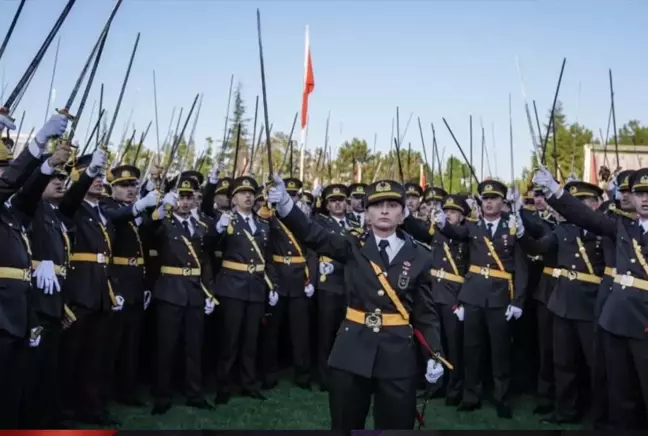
[479, 322]
[573, 357]
[525, 349]
[241, 321]
[13, 352]
[42, 403]
[85, 361]
[173, 320]
[452, 330]
[394, 401]
[128, 349]
[627, 375]
[296, 311]
[331, 313]
[599, 409]
[546, 387]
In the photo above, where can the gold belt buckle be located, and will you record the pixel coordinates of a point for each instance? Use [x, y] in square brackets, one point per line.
[571, 275]
[485, 272]
[287, 260]
[132, 261]
[63, 271]
[186, 272]
[556, 273]
[441, 274]
[373, 321]
[101, 258]
[28, 274]
[627, 280]
[251, 268]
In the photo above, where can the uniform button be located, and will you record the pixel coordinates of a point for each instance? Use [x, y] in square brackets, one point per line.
[251, 249]
[381, 293]
[573, 266]
[488, 254]
[289, 253]
[576, 255]
[632, 260]
[445, 260]
[377, 311]
[346, 329]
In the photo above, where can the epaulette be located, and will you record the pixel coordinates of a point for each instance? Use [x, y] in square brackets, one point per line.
[472, 220]
[201, 223]
[263, 220]
[422, 244]
[529, 208]
[615, 210]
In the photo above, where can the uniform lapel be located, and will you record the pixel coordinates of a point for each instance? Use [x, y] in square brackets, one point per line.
[402, 264]
[370, 250]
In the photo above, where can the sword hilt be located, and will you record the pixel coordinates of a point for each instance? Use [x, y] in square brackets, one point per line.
[5, 111]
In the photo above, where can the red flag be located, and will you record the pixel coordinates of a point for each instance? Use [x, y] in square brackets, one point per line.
[422, 179]
[309, 82]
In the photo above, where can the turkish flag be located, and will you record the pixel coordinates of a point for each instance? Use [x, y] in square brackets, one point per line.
[309, 82]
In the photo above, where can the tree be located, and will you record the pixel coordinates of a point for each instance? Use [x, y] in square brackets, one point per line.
[631, 133]
[235, 122]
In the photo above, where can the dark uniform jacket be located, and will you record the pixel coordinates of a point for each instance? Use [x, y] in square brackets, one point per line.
[580, 256]
[16, 316]
[127, 250]
[625, 312]
[538, 225]
[50, 240]
[486, 290]
[88, 283]
[390, 352]
[249, 284]
[334, 282]
[450, 256]
[295, 264]
[178, 250]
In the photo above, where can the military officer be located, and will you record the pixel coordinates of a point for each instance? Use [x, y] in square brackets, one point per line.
[492, 295]
[296, 269]
[373, 352]
[356, 197]
[448, 268]
[123, 210]
[246, 282]
[413, 196]
[624, 316]
[181, 297]
[579, 270]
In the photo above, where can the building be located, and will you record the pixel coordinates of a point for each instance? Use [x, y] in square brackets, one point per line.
[631, 157]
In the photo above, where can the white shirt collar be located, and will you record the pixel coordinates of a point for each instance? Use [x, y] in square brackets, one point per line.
[392, 239]
[179, 218]
[643, 224]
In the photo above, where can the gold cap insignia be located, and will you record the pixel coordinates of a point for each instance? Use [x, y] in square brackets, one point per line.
[573, 190]
[292, 185]
[383, 187]
[126, 174]
[644, 179]
[245, 182]
[488, 188]
[360, 190]
[186, 184]
[336, 191]
[450, 200]
[225, 184]
[411, 189]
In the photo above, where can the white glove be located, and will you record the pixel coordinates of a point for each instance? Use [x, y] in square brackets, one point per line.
[98, 163]
[150, 185]
[440, 218]
[544, 178]
[513, 312]
[170, 199]
[326, 268]
[210, 304]
[223, 222]
[513, 197]
[6, 123]
[309, 290]
[613, 188]
[280, 194]
[35, 337]
[459, 313]
[520, 225]
[55, 126]
[120, 303]
[317, 188]
[147, 299]
[434, 371]
[273, 297]
[305, 208]
[571, 178]
[149, 200]
[214, 175]
[46, 277]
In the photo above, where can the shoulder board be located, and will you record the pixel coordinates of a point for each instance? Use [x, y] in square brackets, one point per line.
[202, 223]
[263, 220]
[622, 213]
[472, 220]
[422, 244]
[529, 208]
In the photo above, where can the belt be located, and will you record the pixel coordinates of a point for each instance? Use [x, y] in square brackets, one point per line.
[236, 266]
[325, 259]
[488, 272]
[609, 271]
[629, 281]
[15, 274]
[177, 271]
[376, 319]
[89, 257]
[128, 261]
[287, 260]
[58, 269]
[441, 274]
[553, 272]
[581, 277]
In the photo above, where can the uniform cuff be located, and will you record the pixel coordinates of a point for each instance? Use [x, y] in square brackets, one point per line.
[46, 168]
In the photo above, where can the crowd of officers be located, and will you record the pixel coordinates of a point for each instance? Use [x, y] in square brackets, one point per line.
[108, 281]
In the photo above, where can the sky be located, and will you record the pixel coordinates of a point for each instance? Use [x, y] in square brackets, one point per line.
[431, 58]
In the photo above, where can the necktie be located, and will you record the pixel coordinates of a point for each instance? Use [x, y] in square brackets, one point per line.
[383, 244]
[247, 221]
[490, 228]
[342, 224]
[185, 225]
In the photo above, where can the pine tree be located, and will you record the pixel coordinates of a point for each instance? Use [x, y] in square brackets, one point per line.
[237, 119]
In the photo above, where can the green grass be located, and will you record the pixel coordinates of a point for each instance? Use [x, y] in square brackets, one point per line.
[291, 408]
